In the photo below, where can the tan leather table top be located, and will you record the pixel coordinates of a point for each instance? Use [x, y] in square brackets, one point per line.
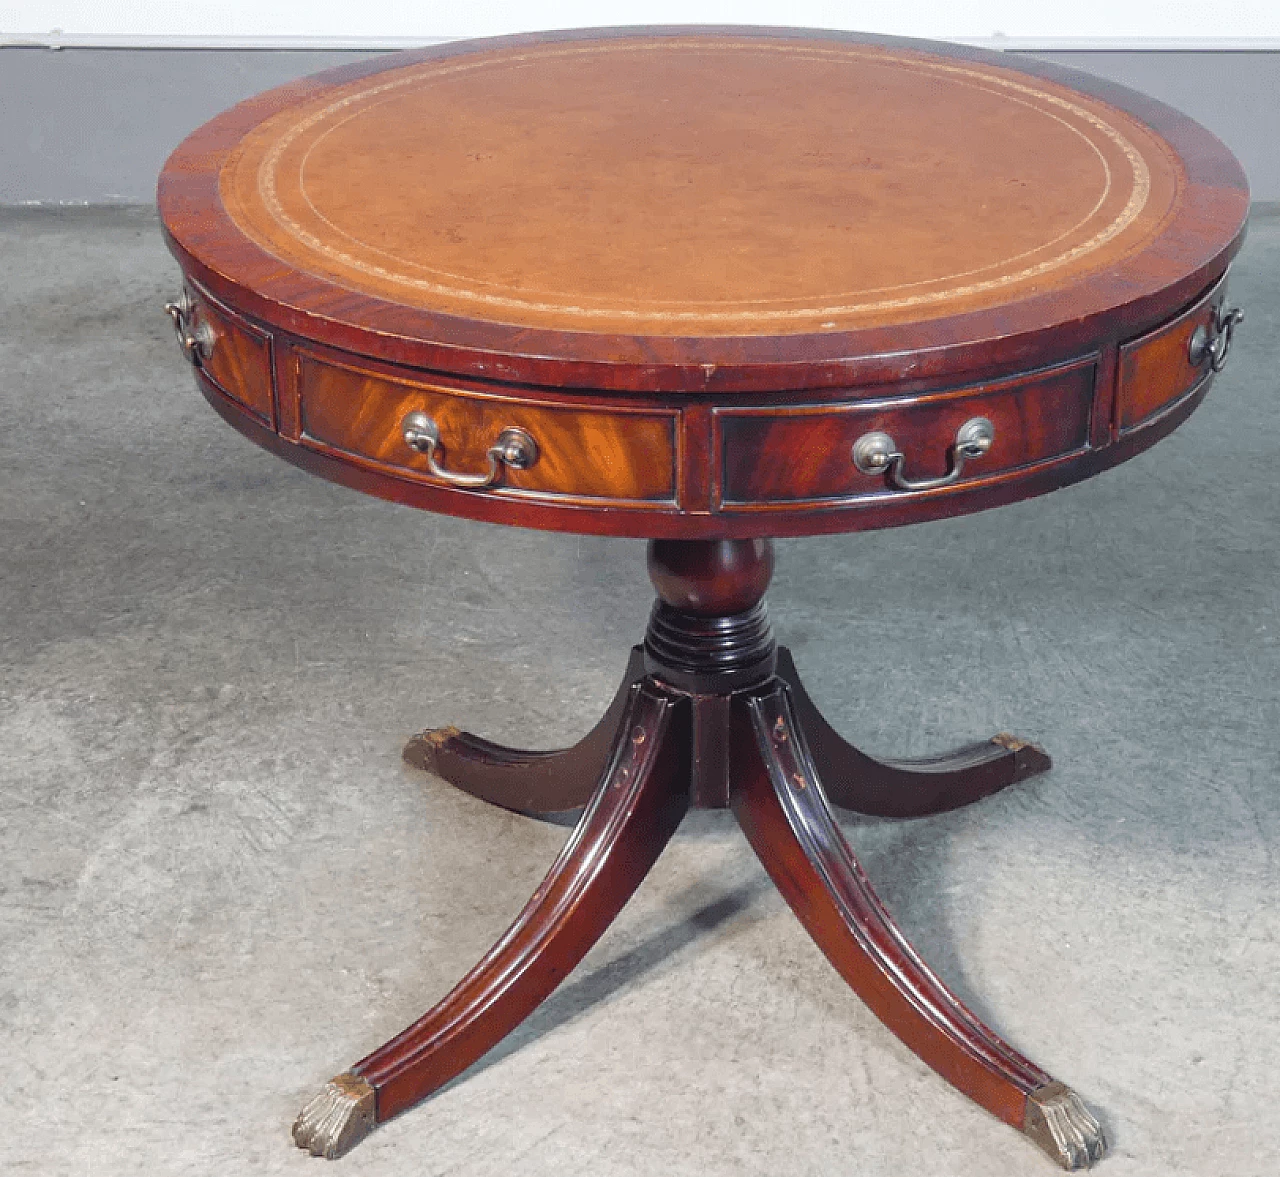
[720, 185]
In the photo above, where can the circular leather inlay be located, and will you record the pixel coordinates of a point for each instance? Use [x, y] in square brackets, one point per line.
[701, 186]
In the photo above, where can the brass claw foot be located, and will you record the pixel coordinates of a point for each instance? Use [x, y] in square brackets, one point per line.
[1061, 1125]
[337, 1119]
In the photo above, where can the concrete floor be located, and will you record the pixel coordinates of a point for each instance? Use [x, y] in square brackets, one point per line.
[219, 885]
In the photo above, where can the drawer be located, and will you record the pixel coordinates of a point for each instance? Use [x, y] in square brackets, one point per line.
[1156, 370]
[595, 454]
[804, 453]
[237, 357]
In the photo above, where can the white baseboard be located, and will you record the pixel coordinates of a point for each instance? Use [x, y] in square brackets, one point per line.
[60, 40]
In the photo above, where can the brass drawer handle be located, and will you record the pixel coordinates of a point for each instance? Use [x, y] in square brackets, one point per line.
[196, 343]
[514, 448]
[1213, 342]
[877, 453]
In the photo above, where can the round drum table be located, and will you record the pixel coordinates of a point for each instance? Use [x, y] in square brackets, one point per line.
[705, 287]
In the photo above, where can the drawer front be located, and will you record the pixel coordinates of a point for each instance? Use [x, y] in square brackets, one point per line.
[1156, 369]
[596, 454]
[238, 360]
[803, 453]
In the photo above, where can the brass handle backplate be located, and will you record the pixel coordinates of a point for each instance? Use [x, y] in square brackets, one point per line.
[1212, 342]
[878, 453]
[195, 340]
[514, 448]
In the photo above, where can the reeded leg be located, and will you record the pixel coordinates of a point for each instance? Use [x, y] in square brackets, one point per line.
[527, 782]
[635, 809]
[779, 802]
[907, 788]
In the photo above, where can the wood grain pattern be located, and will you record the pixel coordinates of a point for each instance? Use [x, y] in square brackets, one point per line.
[240, 362]
[1156, 369]
[583, 452]
[775, 457]
[564, 513]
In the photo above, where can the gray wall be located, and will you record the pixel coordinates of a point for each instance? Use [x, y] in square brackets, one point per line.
[95, 125]
[1236, 95]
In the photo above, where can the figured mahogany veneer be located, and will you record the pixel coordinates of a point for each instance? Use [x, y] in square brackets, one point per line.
[622, 454]
[773, 458]
[1156, 369]
[781, 465]
[239, 360]
[659, 283]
